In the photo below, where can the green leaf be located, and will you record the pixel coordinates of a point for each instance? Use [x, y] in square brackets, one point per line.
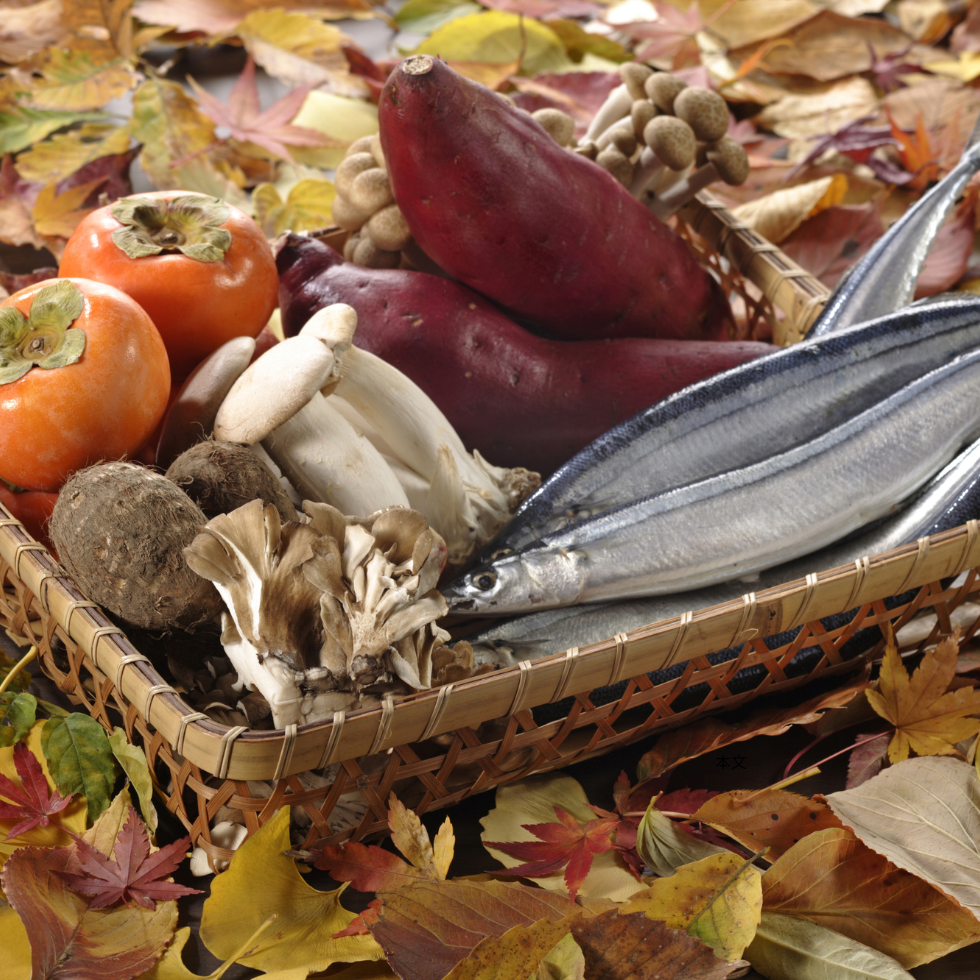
[579, 42]
[132, 759]
[426, 16]
[664, 847]
[498, 38]
[80, 759]
[21, 127]
[564, 961]
[20, 711]
[786, 948]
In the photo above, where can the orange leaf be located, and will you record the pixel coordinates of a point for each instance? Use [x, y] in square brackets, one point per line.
[918, 155]
[928, 719]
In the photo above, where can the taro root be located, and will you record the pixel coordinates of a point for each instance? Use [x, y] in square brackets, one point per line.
[119, 530]
[330, 615]
[221, 476]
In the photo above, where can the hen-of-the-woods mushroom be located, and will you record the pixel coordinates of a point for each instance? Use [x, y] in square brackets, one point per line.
[329, 615]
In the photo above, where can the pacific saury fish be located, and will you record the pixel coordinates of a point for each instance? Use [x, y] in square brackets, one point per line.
[949, 500]
[747, 519]
[746, 414]
[884, 279]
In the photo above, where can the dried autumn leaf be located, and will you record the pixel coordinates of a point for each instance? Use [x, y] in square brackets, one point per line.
[829, 243]
[924, 816]
[943, 104]
[918, 153]
[64, 153]
[778, 214]
[307, 918]
[748, 21]
[578, 93]
[704, 736]
[269, 128]
[769, 818]
[497, 38]
[965, 67]
[74, 80]
[928, 720]
[57, 214]
[824, 111]
[866, 759]
[670, 41]
[80, 759]
[834, 880]
[564, 961]
[427, 927]
[16, 944]
[532, 801]
[31, 804]
[307, 206]
[664, 845]
[717, 900]
[516, 953]
[26, 30]
[949, 256]
[785, 948]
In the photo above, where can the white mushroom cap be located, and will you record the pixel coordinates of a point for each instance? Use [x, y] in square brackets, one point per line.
[706, 112]
[273, 389]
[672, 140]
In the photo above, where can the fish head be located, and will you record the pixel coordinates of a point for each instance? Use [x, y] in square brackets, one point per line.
[515, 583]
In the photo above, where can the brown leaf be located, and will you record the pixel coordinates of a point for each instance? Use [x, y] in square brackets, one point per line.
[776, 819]
[16, 197]
[831, 46]
[426, 928]
[940, 103]
[57, 214]
[516, 953]
[831, 878]
[704, 736]
[825, 110]
[950, 254]
[26, 30]
[928, 719]
[866, 760]
[749, 21]
[778, 214]
[832, 241]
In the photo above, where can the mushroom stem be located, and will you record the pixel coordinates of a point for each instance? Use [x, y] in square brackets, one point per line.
[680, 192]
[648, 171]
[618, 104]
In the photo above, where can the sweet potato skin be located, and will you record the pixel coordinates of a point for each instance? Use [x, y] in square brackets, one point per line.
[547, 234]
[520, 399]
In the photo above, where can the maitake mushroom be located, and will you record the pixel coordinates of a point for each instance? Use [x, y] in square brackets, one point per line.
[332, 614]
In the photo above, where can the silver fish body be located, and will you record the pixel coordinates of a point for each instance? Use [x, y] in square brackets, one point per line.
[950, 499]
[745, 520]
[746, 414]
[884, 279]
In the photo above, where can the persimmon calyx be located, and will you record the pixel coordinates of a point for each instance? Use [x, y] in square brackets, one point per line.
[189, 224]
[45, 338]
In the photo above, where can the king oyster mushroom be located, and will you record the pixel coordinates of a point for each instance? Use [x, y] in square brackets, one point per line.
[329, 615]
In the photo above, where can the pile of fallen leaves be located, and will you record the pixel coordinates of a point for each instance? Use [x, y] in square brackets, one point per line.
[870, 881]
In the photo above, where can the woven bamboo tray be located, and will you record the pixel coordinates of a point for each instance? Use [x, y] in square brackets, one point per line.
[437, 747]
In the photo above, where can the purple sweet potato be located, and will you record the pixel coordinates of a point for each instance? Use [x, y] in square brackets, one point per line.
[520, 399]
[546, 233]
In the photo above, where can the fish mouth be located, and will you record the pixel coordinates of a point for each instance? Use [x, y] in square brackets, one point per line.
[458, 602]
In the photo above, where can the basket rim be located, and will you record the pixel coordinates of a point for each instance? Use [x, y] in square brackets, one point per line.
[241, 753]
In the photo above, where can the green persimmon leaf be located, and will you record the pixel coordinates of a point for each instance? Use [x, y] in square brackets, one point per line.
[426, 16]
[20, 712]
[80, 759]
[132, 760]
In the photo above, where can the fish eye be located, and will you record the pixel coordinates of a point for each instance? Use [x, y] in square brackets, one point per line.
[485, 581]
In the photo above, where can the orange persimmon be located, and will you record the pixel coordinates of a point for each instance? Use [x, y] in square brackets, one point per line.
[83, 377]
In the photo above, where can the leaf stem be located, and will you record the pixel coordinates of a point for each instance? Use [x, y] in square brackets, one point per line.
[847, 748]
[244, 948]
[783, 783]
[16, 669]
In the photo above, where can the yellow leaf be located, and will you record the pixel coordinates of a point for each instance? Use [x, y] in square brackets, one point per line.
[498, 38]
[307, 206]
[16, 945]
[57, 215]
[338, 117]
[73, 80]
[71, 820]
[966, 67]
[778, 214]
[533, 800]
[717, 900]
[64, 153]
[412, 840]
[261, 882]
[516, 953]
[177, 142]
[928, 719]
[299, 49]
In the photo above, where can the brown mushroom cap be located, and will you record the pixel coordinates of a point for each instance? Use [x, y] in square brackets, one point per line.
[348, 168]
[634, 74]
[617, 163]
[663, 88]
[557, 124]
[370, 190]
[641, 113]
[730, 160]
[706, 112]
[388, 229]
[672, 140]
[346, 216]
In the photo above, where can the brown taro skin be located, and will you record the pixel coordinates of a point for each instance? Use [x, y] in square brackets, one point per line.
[547, 234]
[520, 399]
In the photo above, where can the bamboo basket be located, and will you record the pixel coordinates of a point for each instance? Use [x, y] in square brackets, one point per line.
[436, 747]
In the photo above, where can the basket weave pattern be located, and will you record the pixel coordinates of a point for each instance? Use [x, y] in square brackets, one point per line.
[437, 747]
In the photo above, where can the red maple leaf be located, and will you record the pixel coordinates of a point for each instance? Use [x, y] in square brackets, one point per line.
[269, 128]
[135, 874]
[566, 844]
[32, 803]
[367, 867]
